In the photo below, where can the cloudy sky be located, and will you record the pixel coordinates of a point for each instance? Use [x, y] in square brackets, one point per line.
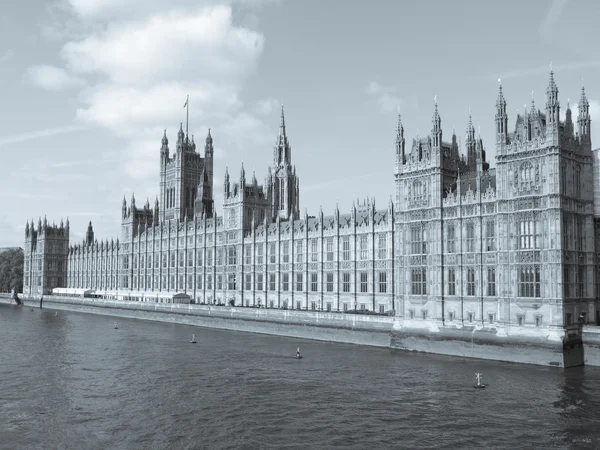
[87, 87]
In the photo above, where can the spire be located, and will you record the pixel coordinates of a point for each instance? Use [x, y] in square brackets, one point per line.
[165, 140]
[254, 182]
[436, 130]
[282, 124]
[501, 117]
[400, 127]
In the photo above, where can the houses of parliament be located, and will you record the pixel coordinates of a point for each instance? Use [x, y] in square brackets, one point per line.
[511, 248]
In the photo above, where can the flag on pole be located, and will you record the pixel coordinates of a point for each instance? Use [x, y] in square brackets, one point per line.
[186, 102]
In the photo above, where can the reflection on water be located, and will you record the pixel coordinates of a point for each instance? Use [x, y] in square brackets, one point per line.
[73, 381]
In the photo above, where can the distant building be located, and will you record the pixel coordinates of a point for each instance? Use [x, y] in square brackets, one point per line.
[511, 248]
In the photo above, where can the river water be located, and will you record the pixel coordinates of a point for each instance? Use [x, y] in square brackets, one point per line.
[72, 381]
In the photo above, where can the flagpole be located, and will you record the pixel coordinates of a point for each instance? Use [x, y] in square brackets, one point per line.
[187, 119]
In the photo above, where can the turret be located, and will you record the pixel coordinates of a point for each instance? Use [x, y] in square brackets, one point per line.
[164, 149]
[569, 130]
[155, 213]
[226, 184]
[89, 235]
[552, 106]
[501, 118]
[583, 118]
[436, 130]
[26, 229]
[124, 209]
[400, 142]
[180, 138]
[470, 144]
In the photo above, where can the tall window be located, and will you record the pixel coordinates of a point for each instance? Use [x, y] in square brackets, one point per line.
[314, 250]
[329, 249]
[219, 282]
[329, 282]
[259, 282]
[450, 239]
[259, 253]
[209, 281]
[299, 252]
[364, 247]
[247, 255]
[579, 233]
[299, 282]
[209, 257]
[285, 282]
[314, 284]
[272, 252]
[577, 182]
[529, 282]
[451, 281]
[346, 248]
[272, 284]
[364, 282]
[282, 194]
[231, 285]
[346, 282]
[470, 237]
[418, 240]
[491, 282]
[471, 282]
[172, 259]
[382, 246]
[248, 282]
[490, 235]
[220, 256]
[528, 234]
[382, 282]
[581, 282]
[419, 281]
[285, 249]
[232, 256]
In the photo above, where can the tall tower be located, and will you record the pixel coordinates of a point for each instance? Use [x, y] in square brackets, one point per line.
[46, 252]
[185, 176]
[285, 186]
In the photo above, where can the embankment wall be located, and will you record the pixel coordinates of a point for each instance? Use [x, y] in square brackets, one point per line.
[358, 329]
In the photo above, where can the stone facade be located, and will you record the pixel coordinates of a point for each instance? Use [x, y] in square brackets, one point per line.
[259, 252]
[45, 257]
[510, 249]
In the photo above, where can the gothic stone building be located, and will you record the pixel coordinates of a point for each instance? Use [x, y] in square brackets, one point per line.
[261, 251]
[511, 248]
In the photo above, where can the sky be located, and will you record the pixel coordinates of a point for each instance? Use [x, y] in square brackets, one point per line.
[87, 88]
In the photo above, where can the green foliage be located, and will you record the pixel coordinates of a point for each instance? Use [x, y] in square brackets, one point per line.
[11, 270]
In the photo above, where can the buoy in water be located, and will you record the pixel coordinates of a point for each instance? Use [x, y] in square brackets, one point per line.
[479, 385]
[116, 327]
[193, 341]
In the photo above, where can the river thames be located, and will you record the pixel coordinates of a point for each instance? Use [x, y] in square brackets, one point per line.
[72, 381]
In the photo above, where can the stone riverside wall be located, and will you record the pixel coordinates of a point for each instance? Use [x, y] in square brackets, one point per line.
[334, 327]
[358, 329]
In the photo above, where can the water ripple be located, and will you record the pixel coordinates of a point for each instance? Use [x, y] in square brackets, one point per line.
[80, 384]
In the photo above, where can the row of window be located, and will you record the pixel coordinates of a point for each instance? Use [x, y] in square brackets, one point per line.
[260, 282]
[528, 283]
[229, 255]
[528, 237]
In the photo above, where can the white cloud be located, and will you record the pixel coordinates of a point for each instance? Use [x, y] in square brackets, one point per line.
[139, 70]
[101, 9]
[386, 96]
[266, 106]
[52, 78]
